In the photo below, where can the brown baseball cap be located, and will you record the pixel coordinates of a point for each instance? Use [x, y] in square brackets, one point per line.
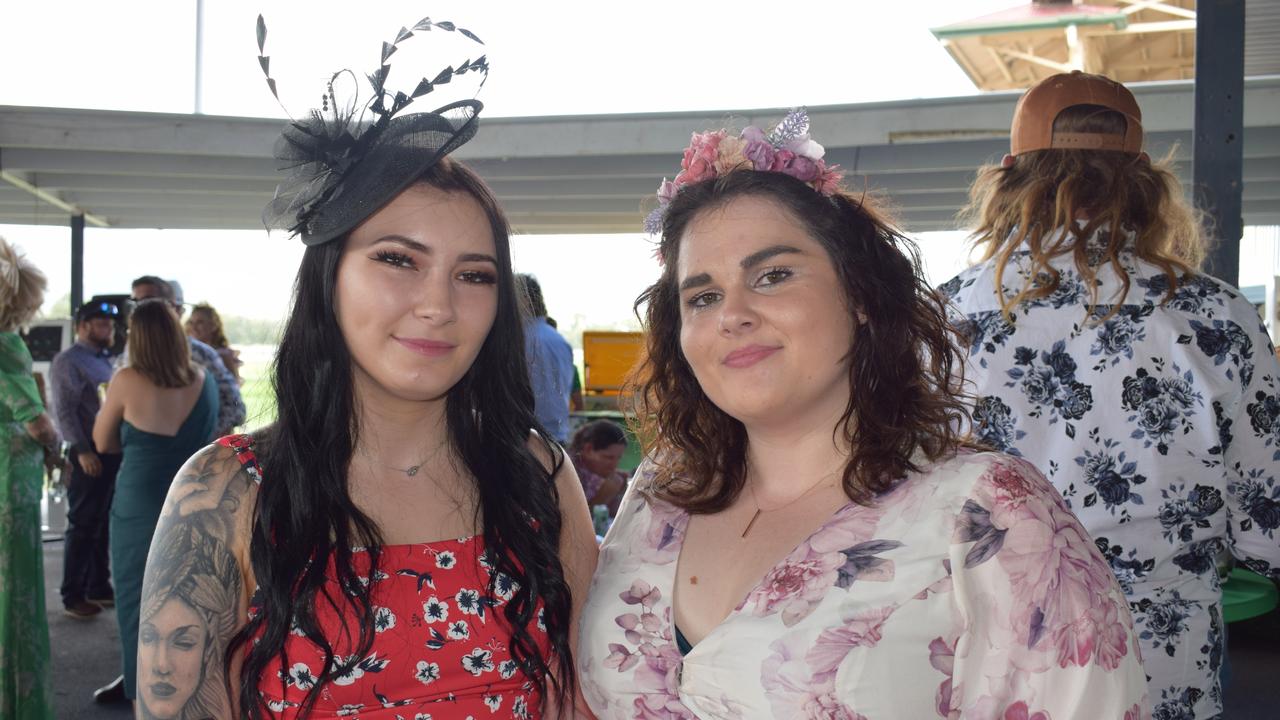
[1039, 107]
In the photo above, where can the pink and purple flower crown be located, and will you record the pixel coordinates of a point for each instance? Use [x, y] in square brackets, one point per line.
[787, 148]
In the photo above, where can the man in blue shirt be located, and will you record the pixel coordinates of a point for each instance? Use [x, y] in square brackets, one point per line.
[75, 376]
[550, 359]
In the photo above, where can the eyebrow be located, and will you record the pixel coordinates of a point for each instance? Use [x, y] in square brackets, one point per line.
[760, 256]
[747, 263]
[419, 247]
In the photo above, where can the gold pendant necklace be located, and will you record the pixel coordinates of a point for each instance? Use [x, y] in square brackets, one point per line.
[793, 501]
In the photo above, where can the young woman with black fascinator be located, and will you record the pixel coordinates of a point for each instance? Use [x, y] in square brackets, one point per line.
[404, 541]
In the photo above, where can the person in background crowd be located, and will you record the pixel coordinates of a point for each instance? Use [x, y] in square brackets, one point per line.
[1147, 391]
[809, 537]
[158, 411]
[206, 326]
[25, 683]
[576, 402]
[231, 410]
[596, 450]
[76, 374]
[550, 359]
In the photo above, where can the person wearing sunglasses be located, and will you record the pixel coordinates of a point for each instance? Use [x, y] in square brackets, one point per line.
[75, 376]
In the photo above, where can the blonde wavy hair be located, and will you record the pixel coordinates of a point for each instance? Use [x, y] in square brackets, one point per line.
[21, 288]
[1082, 191]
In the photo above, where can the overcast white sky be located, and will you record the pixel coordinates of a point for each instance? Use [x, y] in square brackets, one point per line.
[547, 58]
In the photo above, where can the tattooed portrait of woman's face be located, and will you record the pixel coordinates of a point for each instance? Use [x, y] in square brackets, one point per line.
[171, 648]
[190, 607]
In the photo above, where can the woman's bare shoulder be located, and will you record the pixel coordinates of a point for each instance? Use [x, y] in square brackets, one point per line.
[216, 490]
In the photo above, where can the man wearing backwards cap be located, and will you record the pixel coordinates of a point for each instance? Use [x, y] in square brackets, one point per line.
[1146, 391]
[75, 376]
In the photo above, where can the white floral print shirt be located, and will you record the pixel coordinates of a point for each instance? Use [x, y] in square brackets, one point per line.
[969, 591]
[1161, 428]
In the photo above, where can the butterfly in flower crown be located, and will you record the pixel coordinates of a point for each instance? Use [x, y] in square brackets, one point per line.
[786, 148]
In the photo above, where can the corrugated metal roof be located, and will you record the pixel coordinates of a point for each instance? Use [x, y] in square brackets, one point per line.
[1032, 16]
[1261, 38]
[565, 174]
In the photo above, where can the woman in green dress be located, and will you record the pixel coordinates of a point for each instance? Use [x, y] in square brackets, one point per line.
[24, 632]
[159, 411]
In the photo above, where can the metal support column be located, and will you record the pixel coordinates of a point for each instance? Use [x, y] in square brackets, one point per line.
[77, 262]
[1217, 165]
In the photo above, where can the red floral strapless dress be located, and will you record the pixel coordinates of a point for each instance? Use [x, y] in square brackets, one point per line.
[441, 645]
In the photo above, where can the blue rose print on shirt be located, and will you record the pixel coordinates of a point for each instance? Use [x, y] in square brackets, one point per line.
[995, 424]
[1127, 567]
[1162, 622]
[1111, 476]
[1048, 379]
[1161, 405]
[1264, 417]
[1224, 340]
[1183, 512]
[1260, 498]
[1117, 334]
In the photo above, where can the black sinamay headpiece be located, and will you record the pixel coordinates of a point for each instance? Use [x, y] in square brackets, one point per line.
[345, 161]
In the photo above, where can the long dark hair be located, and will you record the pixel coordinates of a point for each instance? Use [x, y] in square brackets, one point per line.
[905, 369]
[305, 517]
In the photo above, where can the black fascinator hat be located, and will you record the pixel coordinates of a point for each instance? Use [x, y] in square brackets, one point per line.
[348, 159]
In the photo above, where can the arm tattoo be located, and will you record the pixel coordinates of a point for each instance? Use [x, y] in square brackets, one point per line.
[193, 592]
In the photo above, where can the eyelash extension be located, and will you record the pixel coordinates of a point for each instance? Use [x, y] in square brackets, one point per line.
[481, 277]
[394, 258]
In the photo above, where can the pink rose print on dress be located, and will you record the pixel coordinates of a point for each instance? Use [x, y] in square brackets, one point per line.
[795, 586]
[837, 554]
[942, 656]
[795, 690]
[1019, 711]
[1062, 588]
[832, 646]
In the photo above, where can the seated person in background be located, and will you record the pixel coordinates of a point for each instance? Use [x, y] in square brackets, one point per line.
[205, 325]
[596, 449]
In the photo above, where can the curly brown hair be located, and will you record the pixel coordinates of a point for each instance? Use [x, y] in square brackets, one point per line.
[905, 370]
[1047, 190]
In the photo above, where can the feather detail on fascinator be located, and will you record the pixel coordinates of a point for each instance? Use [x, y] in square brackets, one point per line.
[348, 158]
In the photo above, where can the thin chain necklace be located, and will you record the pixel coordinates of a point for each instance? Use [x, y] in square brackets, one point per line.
[412, 470]
[752, 489]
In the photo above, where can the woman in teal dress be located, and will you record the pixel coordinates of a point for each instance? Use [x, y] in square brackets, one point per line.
[24, 632]
[158, 411]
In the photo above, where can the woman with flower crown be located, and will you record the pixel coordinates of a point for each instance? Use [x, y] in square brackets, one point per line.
[809, 537]
[404, 542]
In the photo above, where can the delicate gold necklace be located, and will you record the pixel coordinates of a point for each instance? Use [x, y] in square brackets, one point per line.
[752, 489]
[412, 470]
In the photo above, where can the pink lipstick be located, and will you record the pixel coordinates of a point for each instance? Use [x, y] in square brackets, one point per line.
[745, 357]
[428, 348]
